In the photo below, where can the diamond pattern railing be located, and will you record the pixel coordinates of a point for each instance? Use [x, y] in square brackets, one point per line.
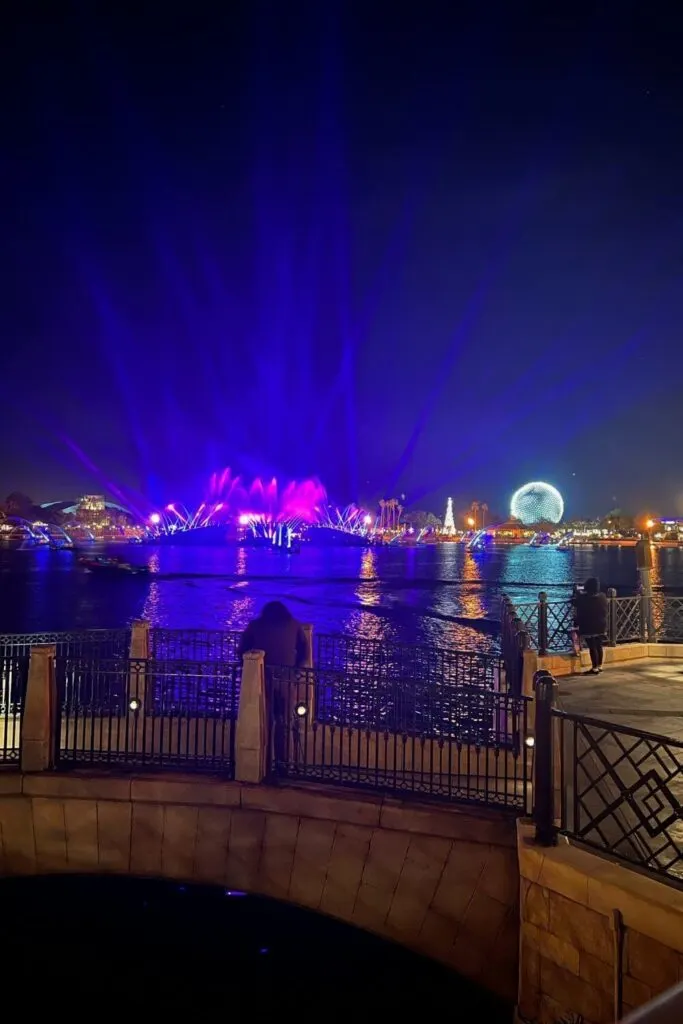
[628, 622]
[549, 624]
[560, 618]
[528, 614]
[623, 793]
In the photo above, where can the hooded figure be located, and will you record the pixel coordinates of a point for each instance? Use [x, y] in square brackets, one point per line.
[279, 634]
[591, 620]
[281, 637]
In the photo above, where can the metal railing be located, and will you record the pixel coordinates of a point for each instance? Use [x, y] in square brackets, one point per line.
[640, 619]
[413, 738]
[514, 640]
[608, 786]
[74, 643]
[359, 659]
[143, 713]
[15, 653]
[194, 644]
[13, 680]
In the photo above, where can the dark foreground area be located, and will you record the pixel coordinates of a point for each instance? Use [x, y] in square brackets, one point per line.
[137, 944]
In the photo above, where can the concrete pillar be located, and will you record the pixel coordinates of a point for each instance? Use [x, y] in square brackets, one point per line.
[251, 732]
[40, 718]
[139, 640]
[139, 652]
[308, 633]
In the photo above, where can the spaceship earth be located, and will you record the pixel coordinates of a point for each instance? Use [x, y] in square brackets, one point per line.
[537, 503]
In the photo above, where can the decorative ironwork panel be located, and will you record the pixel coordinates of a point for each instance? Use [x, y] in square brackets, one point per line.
[628, 623]
[667, 614]
[13, 679]
[560, 625]
[624, 790]
[194, 644]
[528, 613]
[461, 744]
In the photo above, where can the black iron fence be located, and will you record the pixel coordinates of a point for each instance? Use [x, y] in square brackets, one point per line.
[194, 644]
[613, 788]
[143, 713]
[404, 736]
[15, 652]
[514, 640]
[13, 680]
[646, 619]
[75, 643]
[359, 659]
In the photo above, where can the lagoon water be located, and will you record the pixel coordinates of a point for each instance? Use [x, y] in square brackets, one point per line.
[436, 594]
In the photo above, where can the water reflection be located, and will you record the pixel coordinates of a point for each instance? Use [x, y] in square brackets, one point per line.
[241, 561]
[472, 603]
[152, 610]
[420, 595]
[242, 610]
[369, 590]
[367, 625]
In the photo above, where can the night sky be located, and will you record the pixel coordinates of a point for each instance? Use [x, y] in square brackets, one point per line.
[421, 248]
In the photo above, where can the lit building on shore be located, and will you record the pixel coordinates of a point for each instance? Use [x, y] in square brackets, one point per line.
[95, 516]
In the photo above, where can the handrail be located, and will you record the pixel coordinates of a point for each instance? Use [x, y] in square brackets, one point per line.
[615, 726]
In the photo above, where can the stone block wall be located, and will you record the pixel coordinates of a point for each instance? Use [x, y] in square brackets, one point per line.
[443, 882]
[595, 938]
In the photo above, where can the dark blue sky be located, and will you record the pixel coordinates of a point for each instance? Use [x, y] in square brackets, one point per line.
[426, 248]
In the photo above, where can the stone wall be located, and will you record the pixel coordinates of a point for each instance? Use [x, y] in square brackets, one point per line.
[594, 935]
[441, 881]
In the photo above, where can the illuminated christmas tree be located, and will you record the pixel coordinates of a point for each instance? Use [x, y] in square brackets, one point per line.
[449, 521]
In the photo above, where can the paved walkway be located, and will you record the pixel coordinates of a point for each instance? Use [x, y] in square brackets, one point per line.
[646, 694]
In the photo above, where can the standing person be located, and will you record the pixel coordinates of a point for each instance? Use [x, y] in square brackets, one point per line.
[591, 620]
[281, 637]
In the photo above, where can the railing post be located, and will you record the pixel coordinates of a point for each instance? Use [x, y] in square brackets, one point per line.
[612, 617]
[544, 760]
[139, 641]
[308, 633]
[542, 623]
[40, 719]
[138, 654]
[251, 728]
[521, 644]
[645, 614]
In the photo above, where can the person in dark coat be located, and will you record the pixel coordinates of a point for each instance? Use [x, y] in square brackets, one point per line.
[281, 637]
[591, 621]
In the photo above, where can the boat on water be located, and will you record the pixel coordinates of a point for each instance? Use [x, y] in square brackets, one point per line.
[111, 566]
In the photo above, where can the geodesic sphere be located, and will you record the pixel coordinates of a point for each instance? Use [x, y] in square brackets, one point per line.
[537, 503]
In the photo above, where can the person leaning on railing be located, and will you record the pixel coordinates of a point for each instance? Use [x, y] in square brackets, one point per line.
[282, 639]
[590, 618]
